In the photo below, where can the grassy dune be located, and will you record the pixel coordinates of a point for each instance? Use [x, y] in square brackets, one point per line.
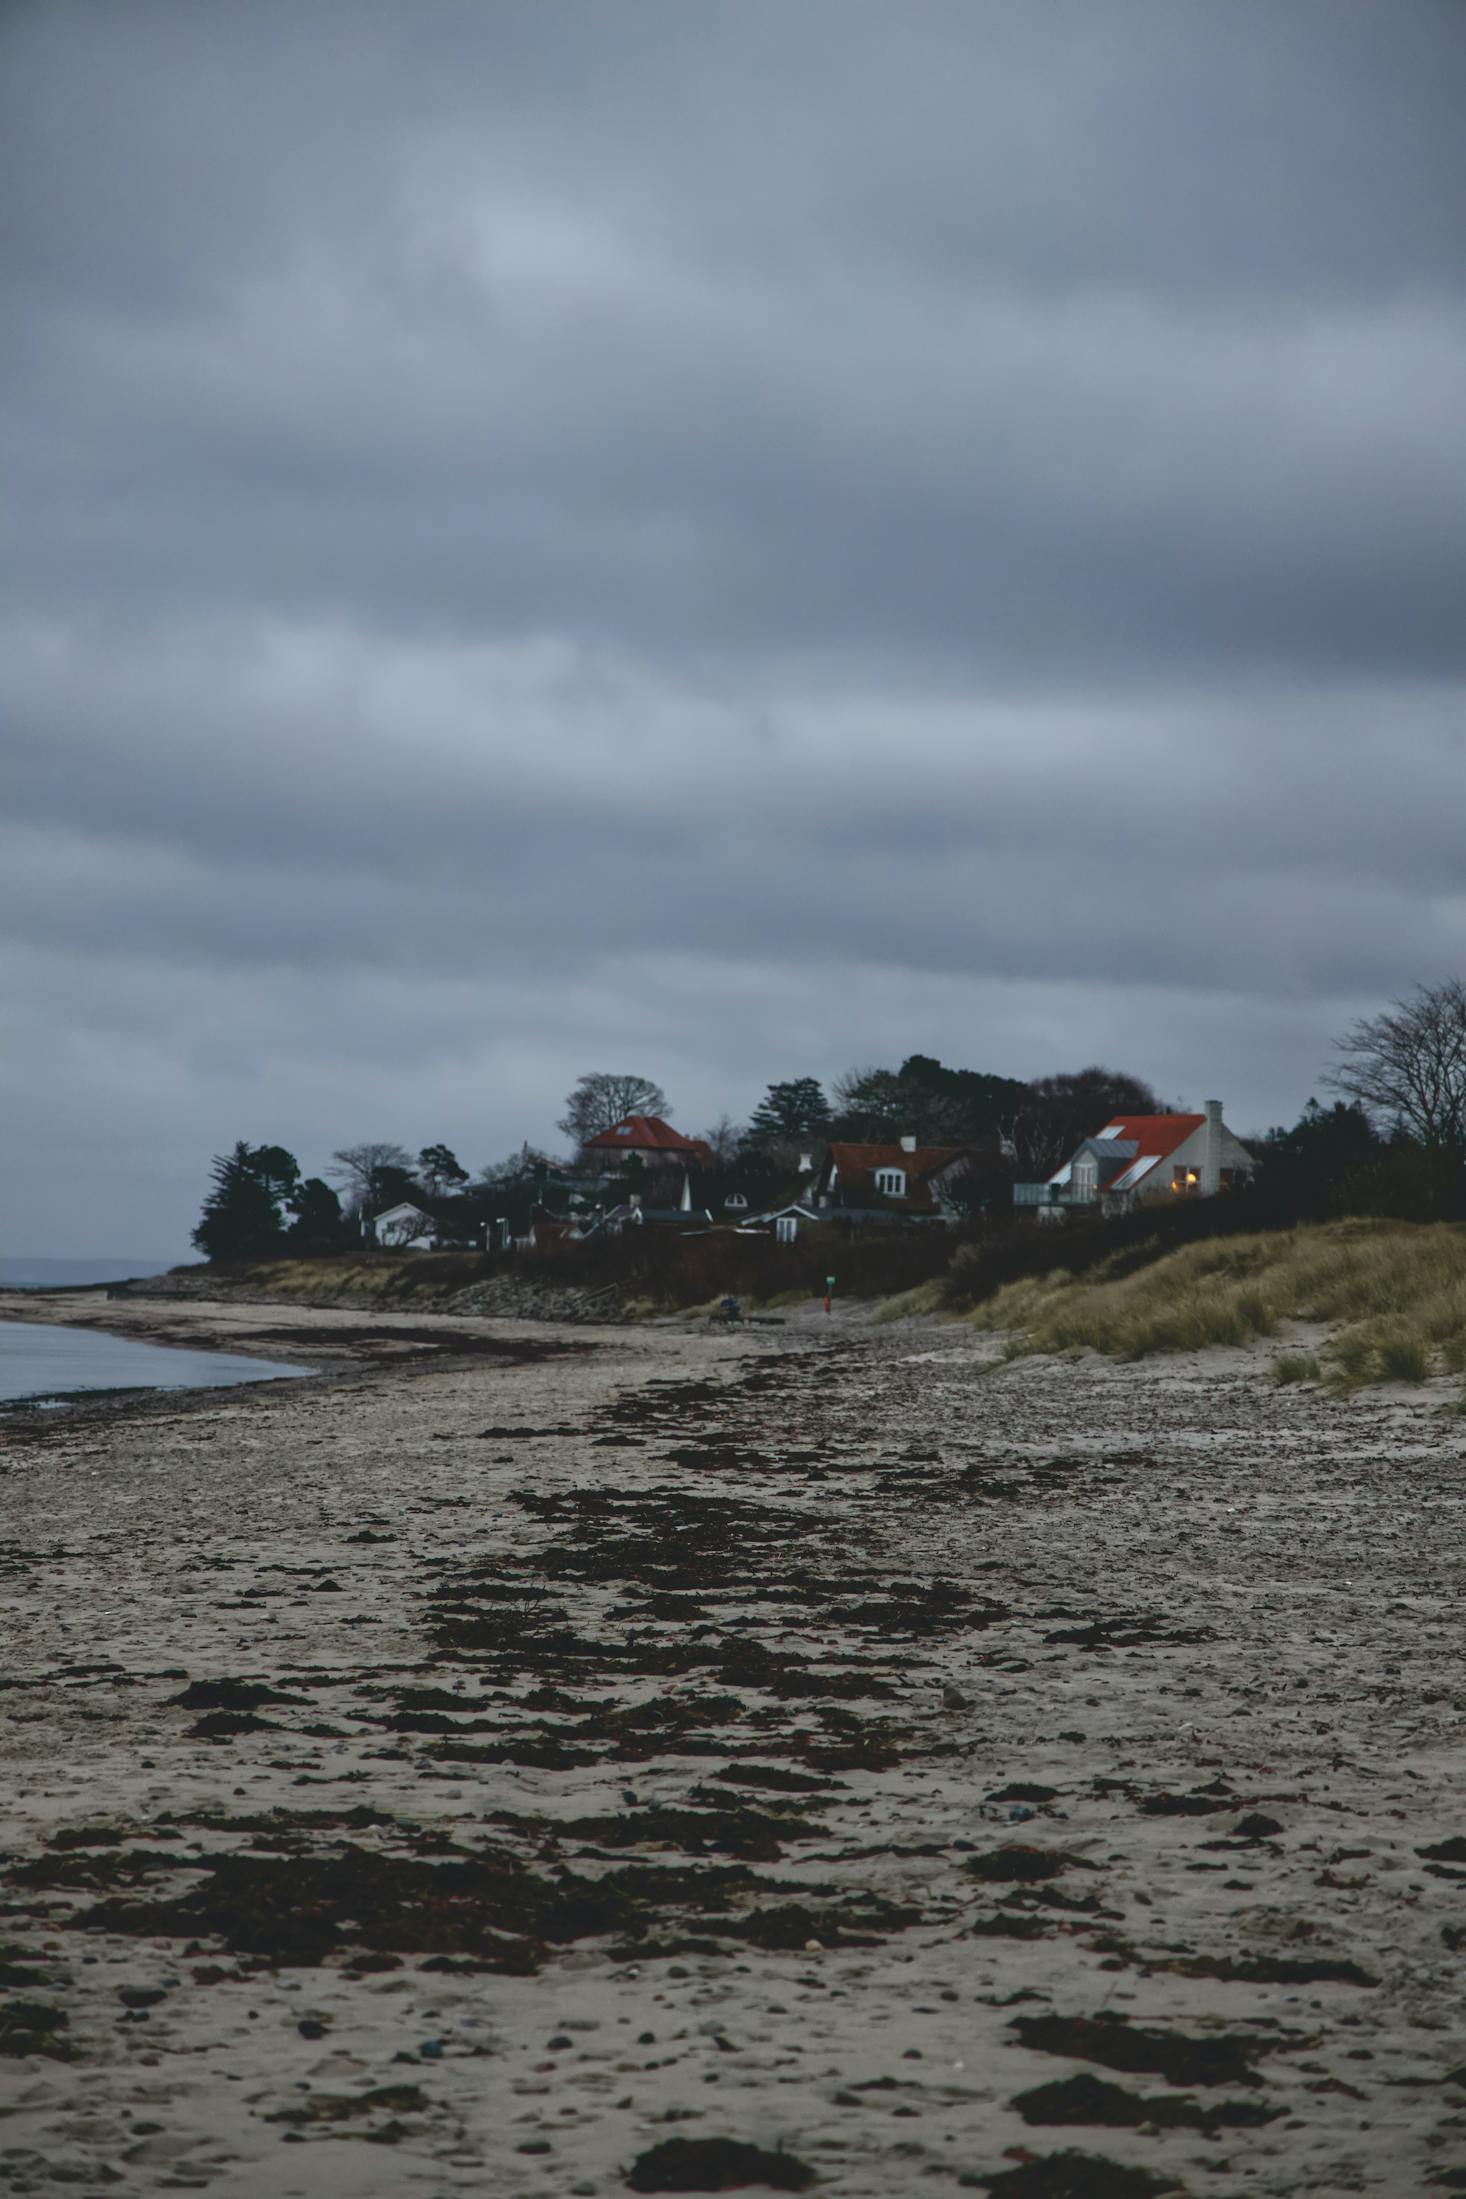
[1394, 1294]
[391, 1280]
[645, 1271]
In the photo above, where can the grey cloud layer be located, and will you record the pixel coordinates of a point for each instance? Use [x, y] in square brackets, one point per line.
[737, 529]
[1056, 352]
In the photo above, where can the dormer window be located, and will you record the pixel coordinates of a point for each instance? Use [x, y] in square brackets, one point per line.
[735, 1198]
[623, 1130]
[892, 1181]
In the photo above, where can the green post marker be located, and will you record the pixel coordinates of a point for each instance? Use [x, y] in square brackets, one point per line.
[829, 1291]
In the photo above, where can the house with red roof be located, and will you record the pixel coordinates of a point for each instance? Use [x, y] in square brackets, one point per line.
[901, 1180]
[1147, 1157]
[648, 1139]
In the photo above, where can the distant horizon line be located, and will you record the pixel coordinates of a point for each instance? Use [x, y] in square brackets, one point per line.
[82, 1259]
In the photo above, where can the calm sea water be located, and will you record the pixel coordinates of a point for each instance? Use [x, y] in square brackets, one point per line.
[68, 1274]
[39, 1361]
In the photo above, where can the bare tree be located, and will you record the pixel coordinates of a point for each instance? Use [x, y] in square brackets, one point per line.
[724, 1139]
[1407, 1067]
[1061, 1110]
[363, 1168]
[600, 1101]
[526, 1164]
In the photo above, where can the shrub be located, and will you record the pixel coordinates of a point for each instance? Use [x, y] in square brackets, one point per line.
[1254, 1314]
[1349, 1356]
[669, 1270]
[1403, 1358]
[1296, 1366]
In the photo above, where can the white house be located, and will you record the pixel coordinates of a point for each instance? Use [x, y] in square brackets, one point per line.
[1148, 1158]
[404, 1228]
[785, 1221]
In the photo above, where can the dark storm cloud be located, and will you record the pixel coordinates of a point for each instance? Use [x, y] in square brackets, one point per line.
[752, 536]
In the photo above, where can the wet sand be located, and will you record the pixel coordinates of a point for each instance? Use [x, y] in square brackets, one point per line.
[518, 1754]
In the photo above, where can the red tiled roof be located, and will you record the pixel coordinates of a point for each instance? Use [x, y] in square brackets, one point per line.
[852, 1162]
[648, 1134]
[1154, 1136]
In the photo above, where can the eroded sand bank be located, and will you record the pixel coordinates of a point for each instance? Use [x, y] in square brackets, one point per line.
[483, 1766]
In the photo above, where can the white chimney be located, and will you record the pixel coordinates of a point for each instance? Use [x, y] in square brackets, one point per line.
[908, 1144]
[1211, 1150]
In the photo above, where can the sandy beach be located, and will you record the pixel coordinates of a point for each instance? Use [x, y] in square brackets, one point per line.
[523, 1759]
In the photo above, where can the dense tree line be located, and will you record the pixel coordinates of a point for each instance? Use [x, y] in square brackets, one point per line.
[1034, 1125]
[1393, 1143]
[259, 1202]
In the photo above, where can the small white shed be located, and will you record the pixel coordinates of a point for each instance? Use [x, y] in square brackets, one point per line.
[405, 1228]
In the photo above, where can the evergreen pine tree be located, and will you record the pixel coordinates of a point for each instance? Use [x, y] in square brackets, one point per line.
[241, 1218]
[316, 1213]
[789, 1112]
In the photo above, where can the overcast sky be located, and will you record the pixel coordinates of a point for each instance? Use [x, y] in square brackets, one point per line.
[723, 541]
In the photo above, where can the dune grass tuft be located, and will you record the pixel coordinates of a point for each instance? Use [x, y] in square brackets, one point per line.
[1403, 1358]
[1295, 1366]
[925, 1298]
[1394, 1292]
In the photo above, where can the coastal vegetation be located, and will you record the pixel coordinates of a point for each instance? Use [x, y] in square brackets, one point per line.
[1354, 1221]
[1392, 1296]
[648, 1271]
[1348, 1303]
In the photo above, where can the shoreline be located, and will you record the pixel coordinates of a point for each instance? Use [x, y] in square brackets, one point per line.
[346, 1340]
[891, 1732]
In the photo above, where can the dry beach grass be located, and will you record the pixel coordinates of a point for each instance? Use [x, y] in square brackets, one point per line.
[492, 1771]
[1392, 1293]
